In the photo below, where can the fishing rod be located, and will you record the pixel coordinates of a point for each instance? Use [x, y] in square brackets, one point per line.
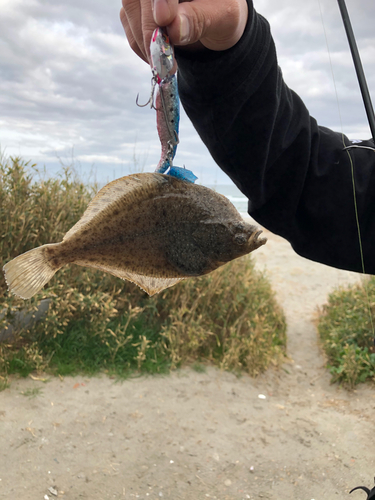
[371, 120]
[358, 67]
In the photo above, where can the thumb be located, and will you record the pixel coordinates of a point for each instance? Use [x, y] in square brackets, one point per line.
[217, 25]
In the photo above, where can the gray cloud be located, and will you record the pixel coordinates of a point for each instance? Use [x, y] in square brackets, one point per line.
[68, 82]
[300, 37]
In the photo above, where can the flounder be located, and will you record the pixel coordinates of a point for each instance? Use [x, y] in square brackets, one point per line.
[149, 228]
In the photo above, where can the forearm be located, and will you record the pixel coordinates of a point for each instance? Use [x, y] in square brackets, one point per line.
[296, 175]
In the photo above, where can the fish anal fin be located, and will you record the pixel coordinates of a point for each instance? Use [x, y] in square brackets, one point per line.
[152, 285]
[112, 193]
[149, 284]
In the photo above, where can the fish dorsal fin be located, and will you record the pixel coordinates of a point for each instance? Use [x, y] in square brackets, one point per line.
[112, 193]
[149, 284]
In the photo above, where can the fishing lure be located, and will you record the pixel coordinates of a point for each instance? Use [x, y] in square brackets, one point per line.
[161, 51]
[167, 105]
[167, 120]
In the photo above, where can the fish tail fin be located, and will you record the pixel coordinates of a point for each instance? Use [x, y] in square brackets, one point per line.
[29, 272]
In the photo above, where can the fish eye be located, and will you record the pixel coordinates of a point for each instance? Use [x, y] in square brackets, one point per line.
[240, 239]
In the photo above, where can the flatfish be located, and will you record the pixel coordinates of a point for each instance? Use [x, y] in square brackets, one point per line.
[148, 228]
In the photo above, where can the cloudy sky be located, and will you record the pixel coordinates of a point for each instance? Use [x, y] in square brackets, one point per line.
[68, 82]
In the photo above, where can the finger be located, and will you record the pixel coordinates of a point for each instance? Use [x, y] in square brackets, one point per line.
[164, 11]
[137, 43]
[140, 22]
[131, 18]
[217, 25]
[129, 35]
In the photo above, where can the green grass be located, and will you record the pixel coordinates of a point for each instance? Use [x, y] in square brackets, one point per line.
[346, 332]
[32, 393]
[198, 367]
[99, 323]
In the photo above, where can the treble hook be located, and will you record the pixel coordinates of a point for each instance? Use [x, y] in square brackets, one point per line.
[151, 99]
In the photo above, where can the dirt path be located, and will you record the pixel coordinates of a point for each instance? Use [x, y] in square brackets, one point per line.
[199, 435]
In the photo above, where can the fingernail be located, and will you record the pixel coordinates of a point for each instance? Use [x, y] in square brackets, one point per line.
[160, 8]
[155, 3]
[184, 29]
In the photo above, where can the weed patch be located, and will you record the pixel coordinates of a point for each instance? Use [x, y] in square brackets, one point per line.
[32, 393]
[346, 333]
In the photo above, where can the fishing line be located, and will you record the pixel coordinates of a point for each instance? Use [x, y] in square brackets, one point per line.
[347, 149]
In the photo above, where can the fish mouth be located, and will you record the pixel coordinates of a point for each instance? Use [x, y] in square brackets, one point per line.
[255, 241]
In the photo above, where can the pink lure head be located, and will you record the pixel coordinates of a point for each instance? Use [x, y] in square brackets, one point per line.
[161, 55]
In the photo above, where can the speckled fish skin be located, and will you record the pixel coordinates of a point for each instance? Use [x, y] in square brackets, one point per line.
[149, 228]
[164, 229]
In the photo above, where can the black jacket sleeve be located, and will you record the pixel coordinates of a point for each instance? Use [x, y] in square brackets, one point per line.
[296, 174]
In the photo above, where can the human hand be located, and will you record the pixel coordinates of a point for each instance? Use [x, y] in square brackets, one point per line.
[214, 24]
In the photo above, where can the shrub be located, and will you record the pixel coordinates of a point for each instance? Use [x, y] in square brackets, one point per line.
[346, 330]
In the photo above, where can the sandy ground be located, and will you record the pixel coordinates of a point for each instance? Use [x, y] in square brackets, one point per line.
[287, 435]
